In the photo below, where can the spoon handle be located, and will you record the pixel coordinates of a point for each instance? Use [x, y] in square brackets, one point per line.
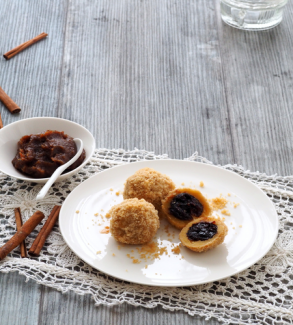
[49, 183]
[59, 170]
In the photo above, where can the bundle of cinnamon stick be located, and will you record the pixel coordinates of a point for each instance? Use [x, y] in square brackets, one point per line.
[23, 230]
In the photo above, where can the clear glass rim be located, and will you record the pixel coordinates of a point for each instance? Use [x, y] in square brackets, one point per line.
[252, 5]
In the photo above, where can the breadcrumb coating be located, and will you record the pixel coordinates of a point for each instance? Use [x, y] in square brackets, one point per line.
[150, 185]
[134, 221]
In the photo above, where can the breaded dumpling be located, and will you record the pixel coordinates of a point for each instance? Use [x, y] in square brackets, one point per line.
[133, 221]
[203, 234]
[150, 185]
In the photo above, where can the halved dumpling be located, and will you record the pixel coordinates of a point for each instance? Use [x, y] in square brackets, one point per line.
[203, 234]
[183, 205]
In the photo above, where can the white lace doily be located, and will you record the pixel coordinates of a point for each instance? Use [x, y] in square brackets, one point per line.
[261, 294]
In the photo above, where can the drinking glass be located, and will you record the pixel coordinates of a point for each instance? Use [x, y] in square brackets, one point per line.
[252, 14]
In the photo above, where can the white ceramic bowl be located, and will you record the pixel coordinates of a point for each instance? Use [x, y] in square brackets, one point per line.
[10, 135]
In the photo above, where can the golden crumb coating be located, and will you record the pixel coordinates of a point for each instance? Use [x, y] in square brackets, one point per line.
[150, 185]
[134, 221]
[202, 246]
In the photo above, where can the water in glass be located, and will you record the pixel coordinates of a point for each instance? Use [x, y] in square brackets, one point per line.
[252, 14]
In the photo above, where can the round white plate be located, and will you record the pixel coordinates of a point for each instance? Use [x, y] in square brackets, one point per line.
[253, 226]
[11, 134]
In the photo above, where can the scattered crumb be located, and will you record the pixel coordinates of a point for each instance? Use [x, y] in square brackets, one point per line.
[176, 249]
[226, 212]
[77, 211]
[113, 254]
[126, 270]
[182, 184]
[240, 226]
[201, 184]
[146, 267]
[135, 261]
[106, 230]
[96, 214]
[118, 247]
[236, 205]
[233, 227]
[117, 193]
[219, 203]
[98, 252]
[111, 189]
[108, 216]
[231, 223]
[229, 194]
[148, 251]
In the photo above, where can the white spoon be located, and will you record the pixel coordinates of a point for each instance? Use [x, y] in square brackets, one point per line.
[59, 170]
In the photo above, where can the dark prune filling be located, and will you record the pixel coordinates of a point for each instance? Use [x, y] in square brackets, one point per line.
[202, 231]
[185, 206]
[39, 155]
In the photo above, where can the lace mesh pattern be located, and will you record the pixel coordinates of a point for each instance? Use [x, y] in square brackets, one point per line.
[261, 294]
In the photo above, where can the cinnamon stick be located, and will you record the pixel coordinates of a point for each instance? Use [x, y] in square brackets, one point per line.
[21, 234]
[1, 122]
[45, 231]
[8, 55]
[8, 102]
[18, 220]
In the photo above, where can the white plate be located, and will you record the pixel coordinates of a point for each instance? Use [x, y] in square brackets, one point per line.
[11, 134]
[253, 226]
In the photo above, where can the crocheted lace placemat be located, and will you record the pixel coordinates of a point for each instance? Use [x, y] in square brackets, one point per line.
[261, 294]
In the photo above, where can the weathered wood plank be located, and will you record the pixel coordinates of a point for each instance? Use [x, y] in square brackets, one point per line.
[72, 309]
[32, 78]
[19, 301]
[257, 69]
[147, 75]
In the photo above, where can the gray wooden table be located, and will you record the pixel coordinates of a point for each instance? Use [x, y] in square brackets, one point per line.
[166, 76]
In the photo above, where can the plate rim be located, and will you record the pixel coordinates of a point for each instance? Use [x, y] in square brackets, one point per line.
[182, 161]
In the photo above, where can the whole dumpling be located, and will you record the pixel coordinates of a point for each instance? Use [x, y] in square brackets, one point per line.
[133, 221]
[150, 185]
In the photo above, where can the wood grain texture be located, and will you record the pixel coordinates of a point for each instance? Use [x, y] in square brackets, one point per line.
[138, 74]
[19, 301]
[32, 78]
[258, 75]
[166, 76]
[73, 309]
